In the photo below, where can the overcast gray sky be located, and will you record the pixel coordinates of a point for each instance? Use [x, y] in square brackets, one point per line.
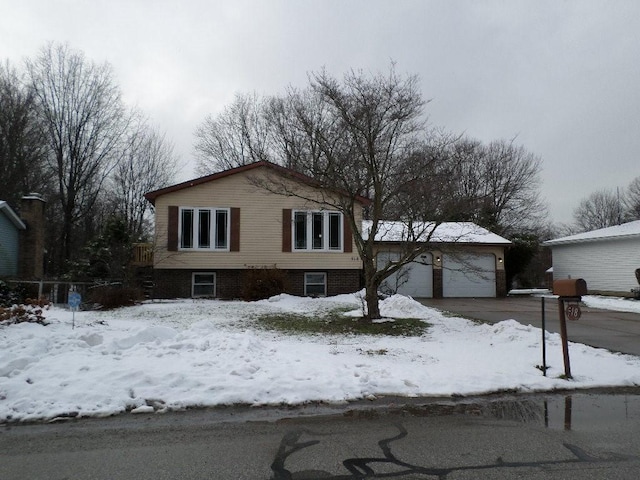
[563, 77]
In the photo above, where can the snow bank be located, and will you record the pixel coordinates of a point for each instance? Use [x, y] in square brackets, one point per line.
[175, 355]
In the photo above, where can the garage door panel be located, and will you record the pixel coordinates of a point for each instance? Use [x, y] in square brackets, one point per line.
[468, 276]
[414, 279]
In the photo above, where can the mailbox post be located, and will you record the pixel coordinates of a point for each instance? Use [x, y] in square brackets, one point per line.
[568, 290]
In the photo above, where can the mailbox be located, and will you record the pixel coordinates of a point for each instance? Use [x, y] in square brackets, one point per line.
[570, 287]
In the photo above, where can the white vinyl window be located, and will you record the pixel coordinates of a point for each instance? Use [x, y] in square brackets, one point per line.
[315, 284]
[204, 228]
[317, 231]
[203, 284]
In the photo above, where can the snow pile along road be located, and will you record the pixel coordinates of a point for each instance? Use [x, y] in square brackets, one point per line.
[190, 353]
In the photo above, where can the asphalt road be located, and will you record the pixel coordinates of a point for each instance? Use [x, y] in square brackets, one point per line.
[581, 436]
[616, 331]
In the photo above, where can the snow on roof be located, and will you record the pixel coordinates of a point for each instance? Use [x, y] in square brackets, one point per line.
[447, 232]
[626, 230]
[12, 215]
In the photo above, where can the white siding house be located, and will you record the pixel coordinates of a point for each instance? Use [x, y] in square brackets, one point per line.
[606, 258]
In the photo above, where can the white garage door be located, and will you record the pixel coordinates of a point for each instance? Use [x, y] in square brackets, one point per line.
[468, 276]
[414, 279]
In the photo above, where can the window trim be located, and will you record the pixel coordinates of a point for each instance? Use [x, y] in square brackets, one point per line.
[310, 215]
[213, 229]
[193, 284]
[324, 284]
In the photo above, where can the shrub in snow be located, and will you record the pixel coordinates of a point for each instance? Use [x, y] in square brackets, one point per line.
[32, 311]
[263, 283]
[8, 295]
[114, 296]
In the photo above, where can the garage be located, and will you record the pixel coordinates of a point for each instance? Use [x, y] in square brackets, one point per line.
[467, 275]
[414, 280]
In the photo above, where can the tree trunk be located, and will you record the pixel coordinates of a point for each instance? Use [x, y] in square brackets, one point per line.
[67, 238]
[373, 308]
[371, 285]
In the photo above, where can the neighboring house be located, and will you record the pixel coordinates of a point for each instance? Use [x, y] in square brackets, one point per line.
[606, 258]
[10, 227]
[465, 260]
[211, 230]
[22, 238]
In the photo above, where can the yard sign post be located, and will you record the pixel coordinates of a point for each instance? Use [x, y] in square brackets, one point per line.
[74, 302]
[570, 291]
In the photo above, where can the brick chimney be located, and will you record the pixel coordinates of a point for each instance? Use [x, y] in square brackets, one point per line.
[31, 261]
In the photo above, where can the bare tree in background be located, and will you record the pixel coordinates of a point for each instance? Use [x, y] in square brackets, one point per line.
[148, 163]
[235, 137]
[84, 122]
[632, 200]
[511, 176]
[601, 209]
[22, 152]
[500, 183]
[299, 122]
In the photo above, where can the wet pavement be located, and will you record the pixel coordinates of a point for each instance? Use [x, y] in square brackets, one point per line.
[616, 331]
[571, 435]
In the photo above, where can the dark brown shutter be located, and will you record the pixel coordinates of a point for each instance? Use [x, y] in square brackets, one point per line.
[172, 229]
[348, 236]
[286, 230]
[235, 230]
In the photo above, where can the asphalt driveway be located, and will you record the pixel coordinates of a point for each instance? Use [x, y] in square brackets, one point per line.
[616, 331]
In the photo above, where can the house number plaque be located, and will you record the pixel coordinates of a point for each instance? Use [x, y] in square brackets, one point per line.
[573, 311]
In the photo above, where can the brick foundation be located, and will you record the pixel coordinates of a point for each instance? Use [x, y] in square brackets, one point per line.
[230, 283]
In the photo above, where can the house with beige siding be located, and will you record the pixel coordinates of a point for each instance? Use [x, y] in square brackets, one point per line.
[212, 230]
[606, 258]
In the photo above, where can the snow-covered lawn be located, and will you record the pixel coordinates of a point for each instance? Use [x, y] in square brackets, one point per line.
[189, 353]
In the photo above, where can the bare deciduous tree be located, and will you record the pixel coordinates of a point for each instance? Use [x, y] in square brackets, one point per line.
[364, 136]
[21, 145]
[632, 200]
[500, 184]
[601, 209]
[512, 177]
[148, 164]
[235, 137]
[84, 121]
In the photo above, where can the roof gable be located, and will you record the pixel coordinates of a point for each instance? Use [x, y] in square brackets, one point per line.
[626, 230]
[286, 172]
